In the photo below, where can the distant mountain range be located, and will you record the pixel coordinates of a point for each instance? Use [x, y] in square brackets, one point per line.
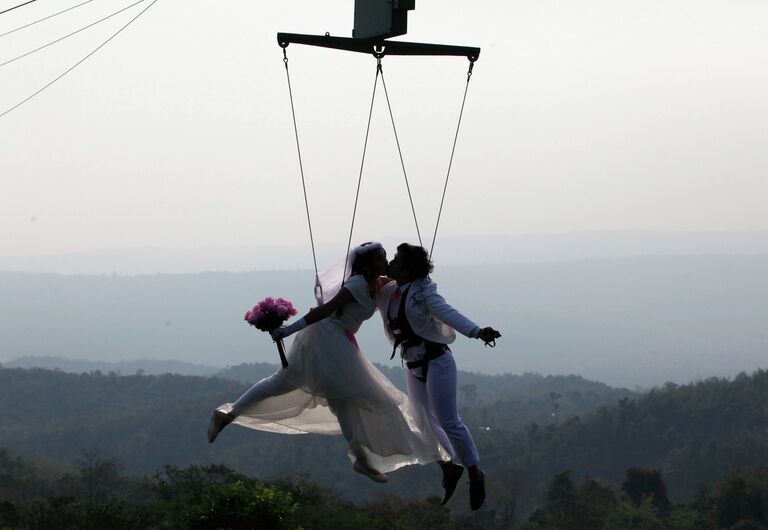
[449, 251]
[634, 321]
[139, 366]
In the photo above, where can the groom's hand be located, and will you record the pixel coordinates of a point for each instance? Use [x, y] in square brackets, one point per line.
[488, 334]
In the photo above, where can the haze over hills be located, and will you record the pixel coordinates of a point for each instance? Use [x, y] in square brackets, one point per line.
[138, 366]
[455, 250]
[629, 321]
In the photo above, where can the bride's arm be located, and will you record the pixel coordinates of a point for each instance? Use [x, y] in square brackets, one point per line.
[316, 314]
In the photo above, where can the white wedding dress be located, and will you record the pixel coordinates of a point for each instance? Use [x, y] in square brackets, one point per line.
[330, 387]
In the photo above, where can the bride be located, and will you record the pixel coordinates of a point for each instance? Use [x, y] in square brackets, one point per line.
[330, 387]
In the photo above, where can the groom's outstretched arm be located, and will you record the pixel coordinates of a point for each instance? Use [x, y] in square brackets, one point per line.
[444, 312]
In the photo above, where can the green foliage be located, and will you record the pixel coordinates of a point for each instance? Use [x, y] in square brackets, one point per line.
[215, 496]
[568, 506]
[120, 417]
[69, 513]
[747, 524]
[686, 518]
[742, 499]
[9, 514]
[696, 433]
[632, 517]
[242, 505]
[641, 484]
[98, 475]
[561, 496]
[398, 513]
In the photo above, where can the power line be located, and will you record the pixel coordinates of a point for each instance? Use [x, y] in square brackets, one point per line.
[44, 18]
[18, 6]
[78, 63]
[67, 36]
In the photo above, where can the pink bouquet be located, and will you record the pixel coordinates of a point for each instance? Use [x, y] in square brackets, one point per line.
[270, 314]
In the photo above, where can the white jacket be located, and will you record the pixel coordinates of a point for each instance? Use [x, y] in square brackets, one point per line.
[430, 316]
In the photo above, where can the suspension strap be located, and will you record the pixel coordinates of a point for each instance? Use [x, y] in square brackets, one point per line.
[318, 287]
[362, 164]
[453, 149]
[400, 152]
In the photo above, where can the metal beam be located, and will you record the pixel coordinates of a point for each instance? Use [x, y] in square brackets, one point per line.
[376, 47]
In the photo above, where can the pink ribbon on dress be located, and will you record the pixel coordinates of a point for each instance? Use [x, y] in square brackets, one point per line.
[351, 337]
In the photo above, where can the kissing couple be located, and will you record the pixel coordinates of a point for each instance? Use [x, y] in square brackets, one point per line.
[331, 388]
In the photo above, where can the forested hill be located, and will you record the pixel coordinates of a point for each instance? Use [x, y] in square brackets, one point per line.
[94, 494]
[143, 366]
[693, 433]
[507, 401]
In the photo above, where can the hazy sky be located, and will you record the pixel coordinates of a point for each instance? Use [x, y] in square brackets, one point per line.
[582, 115]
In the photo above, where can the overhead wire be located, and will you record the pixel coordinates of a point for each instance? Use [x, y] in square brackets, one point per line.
[362, 164]
[453, 151]
[402, 162]
[78, 63]
[44, 19]
[16, 7]
[318, 287]
[70, 34]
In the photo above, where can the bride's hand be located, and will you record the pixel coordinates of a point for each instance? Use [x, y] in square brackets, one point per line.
[290, 329]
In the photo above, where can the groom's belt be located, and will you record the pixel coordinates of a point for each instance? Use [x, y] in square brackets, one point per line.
[432, 350]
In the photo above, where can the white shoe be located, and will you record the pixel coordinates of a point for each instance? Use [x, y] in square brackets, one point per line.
[373, 474]
[219, 420]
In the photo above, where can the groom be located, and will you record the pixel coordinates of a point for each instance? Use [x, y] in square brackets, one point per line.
[420, 322]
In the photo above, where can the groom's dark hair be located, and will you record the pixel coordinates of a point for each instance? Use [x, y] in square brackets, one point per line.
[416, 260]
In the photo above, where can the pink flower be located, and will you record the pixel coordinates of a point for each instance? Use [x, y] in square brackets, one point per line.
[268, 304]
[270, 313]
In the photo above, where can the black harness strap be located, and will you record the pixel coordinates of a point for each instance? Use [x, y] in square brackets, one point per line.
[407, 338]
[399, 325]
[432, 350]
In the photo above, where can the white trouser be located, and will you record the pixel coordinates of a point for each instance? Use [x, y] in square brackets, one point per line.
[438, 397]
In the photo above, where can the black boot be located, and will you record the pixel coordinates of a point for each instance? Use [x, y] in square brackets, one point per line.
[451, 475]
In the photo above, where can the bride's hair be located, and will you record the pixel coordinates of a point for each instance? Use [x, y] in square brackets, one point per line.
[363, 265]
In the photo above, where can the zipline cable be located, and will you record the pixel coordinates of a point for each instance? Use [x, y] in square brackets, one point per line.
[71, 34]
[453, 150]
[18, 6]
[400, 152]
[78, 63]
[362, 163]
[43, 19]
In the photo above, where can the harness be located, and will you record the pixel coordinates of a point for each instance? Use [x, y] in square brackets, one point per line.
[407, 338]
